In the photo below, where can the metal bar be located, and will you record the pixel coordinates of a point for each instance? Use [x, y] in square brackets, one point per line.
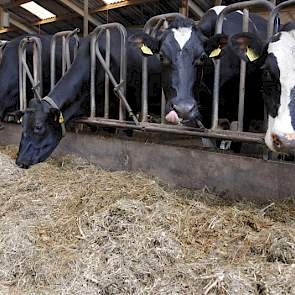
[63, 61]
[24, 71]
[117, 87]
[2, 46]
[274, 13]
[163, 98]
[218, 30]
[243, 69]
[107, 79]
[123, 71]
[85, 19]
[149, 127]
[92, 76]
[66, 56]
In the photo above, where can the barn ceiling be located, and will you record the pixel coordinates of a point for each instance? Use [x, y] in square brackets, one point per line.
[69, 13]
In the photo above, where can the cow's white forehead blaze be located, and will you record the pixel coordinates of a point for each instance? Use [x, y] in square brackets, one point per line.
[284, 52]
[182, 35]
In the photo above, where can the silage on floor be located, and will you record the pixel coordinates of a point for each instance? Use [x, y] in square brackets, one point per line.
[68, 227]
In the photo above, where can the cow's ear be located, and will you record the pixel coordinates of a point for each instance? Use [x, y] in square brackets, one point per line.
[248, 46]
[147, 44]
[215, 44]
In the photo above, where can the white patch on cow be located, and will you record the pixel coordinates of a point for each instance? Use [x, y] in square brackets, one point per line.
[284, 51]
[182, 35]
[218, 9]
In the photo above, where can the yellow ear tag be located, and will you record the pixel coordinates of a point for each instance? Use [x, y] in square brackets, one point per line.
[61, 118]
[251, 54]
[146, 50]
[216, 52]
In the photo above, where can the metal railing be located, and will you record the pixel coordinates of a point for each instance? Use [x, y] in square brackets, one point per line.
[218, 30]
[119, 87]
[35, 76]
[2, 46]
[66, 37]
[274, 13]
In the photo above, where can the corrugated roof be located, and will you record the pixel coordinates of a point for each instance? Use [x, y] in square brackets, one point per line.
[129, 15]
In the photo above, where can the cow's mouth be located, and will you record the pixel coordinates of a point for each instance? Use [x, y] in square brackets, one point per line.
[173, 118]
[283, 143]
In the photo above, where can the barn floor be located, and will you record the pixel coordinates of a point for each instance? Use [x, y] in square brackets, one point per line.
[68, 227]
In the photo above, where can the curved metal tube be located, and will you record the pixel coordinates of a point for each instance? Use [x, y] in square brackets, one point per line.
[66, 57]
[274, 14]
[119, 88]
[24, 71]
[218, 30]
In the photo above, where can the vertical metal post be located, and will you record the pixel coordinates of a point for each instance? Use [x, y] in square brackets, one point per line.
[93, 43]
[243, 69]
[144, 89]
[64, 63]
[85, 19]
[163, 98]
[22, 77]
[123, 73]
[107, 79]
[215, 106]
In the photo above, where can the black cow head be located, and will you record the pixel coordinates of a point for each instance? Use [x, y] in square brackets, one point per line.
[41, 133]
[276, 60]
[181, 48]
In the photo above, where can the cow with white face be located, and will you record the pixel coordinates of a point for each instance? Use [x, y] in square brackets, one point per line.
[276, 60]
[181, 49]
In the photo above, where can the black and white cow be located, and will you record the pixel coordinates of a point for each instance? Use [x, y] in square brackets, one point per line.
[276, 63]
[182, 47]
[9, 67]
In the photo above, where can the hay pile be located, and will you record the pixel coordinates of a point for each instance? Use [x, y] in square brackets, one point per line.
[67, 227]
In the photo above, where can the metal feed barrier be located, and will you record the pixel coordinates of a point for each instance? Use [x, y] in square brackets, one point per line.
[118, 87]
[102, 36]
[152, 27]
[24, 70]
[35, 76]
[66, 37]
[244, 6]
[2, 46]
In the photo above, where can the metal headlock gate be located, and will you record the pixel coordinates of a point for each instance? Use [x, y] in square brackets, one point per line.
[24, 71]
[2, 46]
[152, 27]
[35, 77]
[66, 37]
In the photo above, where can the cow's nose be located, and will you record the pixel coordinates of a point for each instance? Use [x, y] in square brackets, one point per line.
[183, 107]
[283, 142]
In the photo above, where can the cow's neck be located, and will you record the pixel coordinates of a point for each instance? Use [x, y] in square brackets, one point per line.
[67, 92]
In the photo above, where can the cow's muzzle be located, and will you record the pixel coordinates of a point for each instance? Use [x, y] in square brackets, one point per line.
[283, 143]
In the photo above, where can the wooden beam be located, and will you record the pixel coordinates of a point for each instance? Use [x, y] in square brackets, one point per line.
[80, 11]
[119, 5]
[21, 26]
[195, 8]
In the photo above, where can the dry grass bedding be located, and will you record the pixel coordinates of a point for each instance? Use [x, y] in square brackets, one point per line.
[68, 227]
